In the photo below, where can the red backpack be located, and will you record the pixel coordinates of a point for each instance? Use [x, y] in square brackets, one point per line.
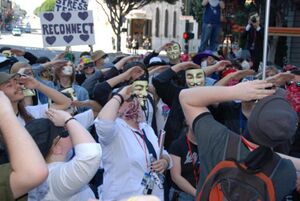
[231, 180]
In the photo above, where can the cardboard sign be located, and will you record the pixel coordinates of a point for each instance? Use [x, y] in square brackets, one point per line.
[71, 5]
[67, 28]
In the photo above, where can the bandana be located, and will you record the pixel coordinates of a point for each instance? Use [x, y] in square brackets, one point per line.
[133, 111]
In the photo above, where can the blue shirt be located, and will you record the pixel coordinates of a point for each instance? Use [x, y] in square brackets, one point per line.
[212, 15]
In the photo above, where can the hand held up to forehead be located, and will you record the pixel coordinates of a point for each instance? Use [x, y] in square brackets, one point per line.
[120, 64]
[58, 117]
[134, 73]
[29, 82]
[126, 92]
[184, 66]
[253, 90]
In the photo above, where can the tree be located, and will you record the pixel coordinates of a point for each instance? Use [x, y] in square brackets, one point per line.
[47, 5]
[118, 9]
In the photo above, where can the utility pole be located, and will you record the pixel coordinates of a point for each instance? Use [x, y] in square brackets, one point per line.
[187, 28]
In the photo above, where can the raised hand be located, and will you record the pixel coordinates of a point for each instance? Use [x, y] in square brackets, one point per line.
[29, 82]
[253, 90]
[221, 65]
[158, 69]
[134, 73]
[164, 47]
[126, 92]
[280, 78]
[18, 52]
[58, 117]
[240, 74]
[184, 66]
[120, 64]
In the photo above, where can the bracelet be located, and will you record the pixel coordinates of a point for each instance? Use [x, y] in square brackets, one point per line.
[121, 97]
[71, 118]
[117, 100]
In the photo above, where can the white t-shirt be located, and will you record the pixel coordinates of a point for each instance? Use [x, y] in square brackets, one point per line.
[68, 181]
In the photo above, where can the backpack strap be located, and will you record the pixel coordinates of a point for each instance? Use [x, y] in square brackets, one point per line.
[271, 166]
[233, 147]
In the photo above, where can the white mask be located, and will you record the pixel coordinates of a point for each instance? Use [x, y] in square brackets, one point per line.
[204, 64]
[245, 65]
[67, 70]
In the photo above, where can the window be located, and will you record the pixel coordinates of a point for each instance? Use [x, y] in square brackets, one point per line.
[157, 23]
[174, 24]
[166, 23]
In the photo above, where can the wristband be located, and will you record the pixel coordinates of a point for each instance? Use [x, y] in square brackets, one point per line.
[71, 118]
[121, 97]
[117, 100]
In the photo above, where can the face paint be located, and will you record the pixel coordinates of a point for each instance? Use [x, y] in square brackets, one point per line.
[195, 77]
[140, 89]
[173, 52]
[67, 70]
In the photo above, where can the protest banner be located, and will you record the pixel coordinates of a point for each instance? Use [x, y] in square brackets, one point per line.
[71, 5]
[67, 28]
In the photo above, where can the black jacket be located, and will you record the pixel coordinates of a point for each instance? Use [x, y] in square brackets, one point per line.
[168, 91]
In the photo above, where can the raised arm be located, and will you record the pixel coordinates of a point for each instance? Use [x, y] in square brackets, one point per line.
[238, 75]
[219, 66]
[110, 110]
[72, 176]
[60, 100]
[103, 90]
[21, 147]
[205, 96]
[165, 89]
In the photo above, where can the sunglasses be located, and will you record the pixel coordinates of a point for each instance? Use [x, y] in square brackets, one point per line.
[89, 65]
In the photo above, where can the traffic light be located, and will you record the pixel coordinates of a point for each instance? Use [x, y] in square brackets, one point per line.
[188, 36]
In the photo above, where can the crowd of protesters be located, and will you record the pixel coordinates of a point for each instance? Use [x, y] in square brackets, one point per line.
[93, 129]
